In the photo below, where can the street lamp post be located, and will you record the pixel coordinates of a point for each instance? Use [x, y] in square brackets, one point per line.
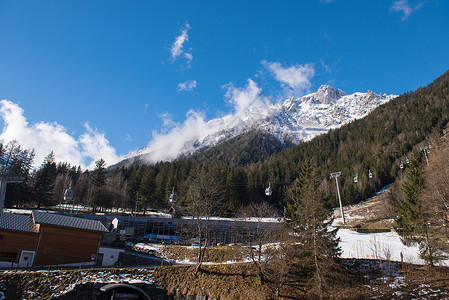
[336, 175]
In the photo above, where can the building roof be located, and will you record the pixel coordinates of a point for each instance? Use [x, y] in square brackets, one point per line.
[17, 222]
[66, 221]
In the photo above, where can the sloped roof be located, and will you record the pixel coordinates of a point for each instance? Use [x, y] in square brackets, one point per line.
[17, 222]
[66, 221]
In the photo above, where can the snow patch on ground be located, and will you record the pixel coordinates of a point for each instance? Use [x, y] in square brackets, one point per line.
[385, 245]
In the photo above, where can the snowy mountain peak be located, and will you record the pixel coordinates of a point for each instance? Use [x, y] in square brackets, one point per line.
[294, 121]
[325, 95]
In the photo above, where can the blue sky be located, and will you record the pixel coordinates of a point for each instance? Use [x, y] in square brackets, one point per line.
[91, 79]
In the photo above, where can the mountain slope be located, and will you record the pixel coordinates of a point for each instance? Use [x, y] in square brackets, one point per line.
[251, 147]
[378, 143]
[294, 121]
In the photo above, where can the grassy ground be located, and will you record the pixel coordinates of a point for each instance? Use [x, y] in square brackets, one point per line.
[360, 279]
[217, 254]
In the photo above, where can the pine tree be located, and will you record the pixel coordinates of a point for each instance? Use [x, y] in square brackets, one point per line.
[132, 187]
[44, 181]
[97, 182]
[98, 177]
[297, 193]
[315, 253]
[147, 188]
[412, 222]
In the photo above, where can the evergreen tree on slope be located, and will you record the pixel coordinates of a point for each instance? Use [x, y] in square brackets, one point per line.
[407, 203]
[315, 253]
[45, 181]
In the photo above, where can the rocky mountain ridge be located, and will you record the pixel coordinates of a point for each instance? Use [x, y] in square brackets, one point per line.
[294, 121]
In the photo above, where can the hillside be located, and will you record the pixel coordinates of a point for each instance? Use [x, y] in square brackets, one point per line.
[292, 121]
[245, 165]
[251, 147]
[379, 143]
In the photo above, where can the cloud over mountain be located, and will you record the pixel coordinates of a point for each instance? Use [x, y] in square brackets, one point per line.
[297, 77]
[293, 121]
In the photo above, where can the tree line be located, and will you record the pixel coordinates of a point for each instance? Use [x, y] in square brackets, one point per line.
[377, 144]
[420, 199]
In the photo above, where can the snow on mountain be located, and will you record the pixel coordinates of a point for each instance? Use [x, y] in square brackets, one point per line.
[294, 121]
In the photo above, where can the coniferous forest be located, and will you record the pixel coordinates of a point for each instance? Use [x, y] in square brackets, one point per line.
[378, 144]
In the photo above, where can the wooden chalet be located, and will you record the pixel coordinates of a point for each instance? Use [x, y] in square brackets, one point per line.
[43, 238]
[18, 240]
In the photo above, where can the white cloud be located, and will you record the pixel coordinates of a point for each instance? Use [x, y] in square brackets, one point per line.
[186, 86]
[45, 137]
[243, 99]
[189, 57]
[94, 146]
[405, 7]
[177, 50]
[182, 138]
[167, 121]
[297, 77]
[326, 67]
[167, 146]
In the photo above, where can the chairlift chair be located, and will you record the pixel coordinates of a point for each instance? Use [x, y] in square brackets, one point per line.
[401, 166]
[268, 190]
[370, 175]
[68, 195]
[356, 179]
[173, 196]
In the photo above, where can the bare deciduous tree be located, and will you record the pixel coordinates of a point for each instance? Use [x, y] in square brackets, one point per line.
[205, 199]
[435, 197]
[257, 233]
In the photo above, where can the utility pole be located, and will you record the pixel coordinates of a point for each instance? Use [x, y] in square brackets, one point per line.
[336, 175]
